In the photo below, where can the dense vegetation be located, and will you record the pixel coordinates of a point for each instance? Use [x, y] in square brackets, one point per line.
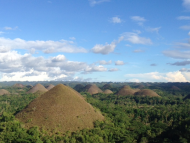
[128, 119]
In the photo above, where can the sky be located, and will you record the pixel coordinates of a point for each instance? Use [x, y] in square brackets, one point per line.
[95, 40]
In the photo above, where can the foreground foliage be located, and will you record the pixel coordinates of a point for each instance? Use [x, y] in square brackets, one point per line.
[128, 119]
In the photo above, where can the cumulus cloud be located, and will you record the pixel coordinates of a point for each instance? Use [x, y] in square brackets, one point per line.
[45, 46]
[183, 18]
[104, 49]
[134, 38]
[99, 68]
[113, 69]
[103, 62]
[182, 63]
[186, 4]
[185, 27]
[177, 54]
[119, 63]
[175, 76]
[140, 20]
[58, 58]
[156, 29]
[95, 2]
[184, 70]
[115, 19]
[15, 66]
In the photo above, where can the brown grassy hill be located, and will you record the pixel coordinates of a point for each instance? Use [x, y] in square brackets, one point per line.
[92, 89]
[79, 87]
[107, 91]
[3, 92]
[37, 87]
[18, 85]
[59, 109]
[146, 92]
[126, 90]
[175, 88]
[50, 86]
[140, 86]
[107, 86]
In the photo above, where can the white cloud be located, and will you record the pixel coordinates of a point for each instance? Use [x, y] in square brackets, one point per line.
[10, 28]
[45, 46]
[95, 2]
[104, 49]
[185, 27]
[156, 29]
[1, 32]
[99, 68]
[15, 66]
[135, 38]
[177, 54]
[138, 51]
[175, 76]
[113, 69]
[103, 62]
[72, 38]
[119, 62]
[183, 18]
[58, 58]
[115, 20]
[138, 19]
[186, 4]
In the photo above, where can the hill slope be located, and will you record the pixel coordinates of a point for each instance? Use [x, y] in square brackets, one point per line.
[38, 87]
[50, 86]
[3, 92]
[146, 92]
[126, 90]
[62, 109]
[92, 89]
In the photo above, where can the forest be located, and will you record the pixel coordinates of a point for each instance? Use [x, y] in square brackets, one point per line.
[128, 119]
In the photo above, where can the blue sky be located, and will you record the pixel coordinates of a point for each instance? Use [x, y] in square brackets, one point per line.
[95, 40]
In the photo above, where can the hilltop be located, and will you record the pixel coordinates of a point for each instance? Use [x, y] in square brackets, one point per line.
[92, 89]
[37, 88]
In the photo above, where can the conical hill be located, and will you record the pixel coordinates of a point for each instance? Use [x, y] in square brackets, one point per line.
[126, 90]
[146, 92]
[18, 85]
[60, 109]
[79, 87]
[107, 91]
[3, 92]
[92, 89]
[50, 86]
[38, 87]
[174, 88]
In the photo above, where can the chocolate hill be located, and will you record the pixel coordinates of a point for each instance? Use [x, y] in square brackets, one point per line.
[92, 89]
[79, 87]
[50, 86]
[146, 92]
[60, 109]
[174, 88]
[126, 90]
[3, 92]
[37, 88]
[18, 85]
[107, 91]
[107, 86]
